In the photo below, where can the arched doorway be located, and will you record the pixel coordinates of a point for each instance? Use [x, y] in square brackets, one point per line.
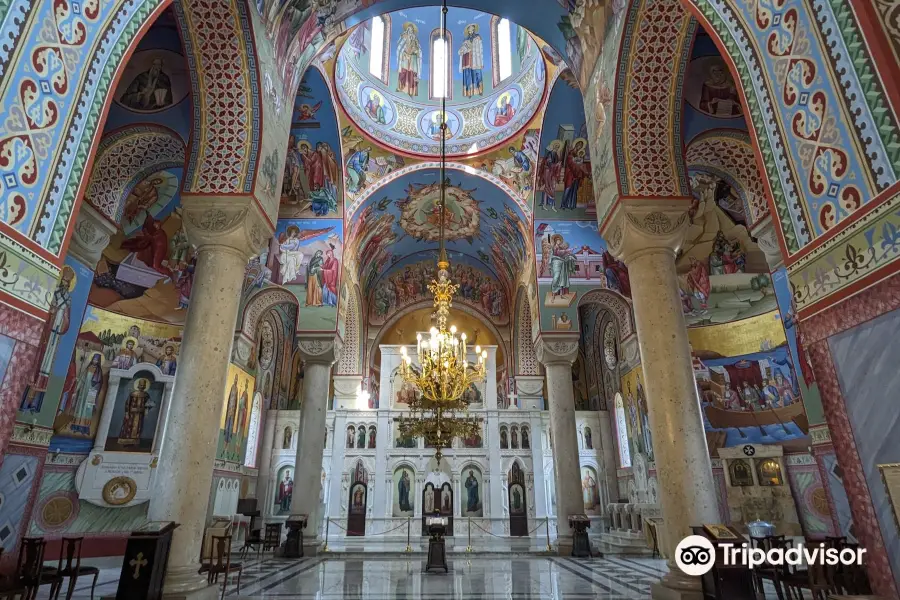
[357, 501]
[518, 502]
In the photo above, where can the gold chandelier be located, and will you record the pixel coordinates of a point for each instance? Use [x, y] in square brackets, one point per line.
[442, 372]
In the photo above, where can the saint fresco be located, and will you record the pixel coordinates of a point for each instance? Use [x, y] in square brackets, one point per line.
[136, 414]
[234, 427]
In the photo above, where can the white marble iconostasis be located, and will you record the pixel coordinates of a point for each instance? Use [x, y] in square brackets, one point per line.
[363, 446]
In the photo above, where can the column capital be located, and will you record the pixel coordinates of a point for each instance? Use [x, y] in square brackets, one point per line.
[320, 349]
[90, 235]
[235, 222]
[557, 349]
[767, 239]
[641, 225]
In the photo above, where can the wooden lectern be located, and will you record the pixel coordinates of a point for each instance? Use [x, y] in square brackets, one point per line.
[293, 546]
[144, 565]
[437, 549]
[581, 544]
[725, 582]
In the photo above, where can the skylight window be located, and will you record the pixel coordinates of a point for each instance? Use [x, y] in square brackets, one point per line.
[505, 49]
[376, 54]
[440, 67]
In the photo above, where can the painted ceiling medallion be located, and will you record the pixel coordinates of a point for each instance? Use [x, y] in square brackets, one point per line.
[385, 84]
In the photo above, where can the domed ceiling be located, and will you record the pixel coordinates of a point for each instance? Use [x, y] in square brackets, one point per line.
[390, 92]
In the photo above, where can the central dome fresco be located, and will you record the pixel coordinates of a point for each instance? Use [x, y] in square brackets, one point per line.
[494, 84]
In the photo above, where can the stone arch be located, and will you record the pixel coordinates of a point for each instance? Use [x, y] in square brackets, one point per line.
[616, 304]
[124, 158]
[523, 343]
[728, 154]
[259, 304]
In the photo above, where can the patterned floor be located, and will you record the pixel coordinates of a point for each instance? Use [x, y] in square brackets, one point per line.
[475, 578]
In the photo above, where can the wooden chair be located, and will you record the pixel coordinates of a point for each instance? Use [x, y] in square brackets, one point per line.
[222, 563]
[253, 541]
[71, 550]
[766, 572]
[273, 537]
[814, 578]
[30, 573]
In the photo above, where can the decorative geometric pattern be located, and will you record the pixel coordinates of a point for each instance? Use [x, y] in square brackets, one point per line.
[26, 330]
[889, 14]
[526, 362]
[226, 112]
[617, 305]
[257, 305]
[729, 154]
[350, 362]
[876, 300]
[655, 51]
[124, 158]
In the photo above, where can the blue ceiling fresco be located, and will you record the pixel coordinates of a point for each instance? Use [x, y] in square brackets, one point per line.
[399, 105]
[402, 219]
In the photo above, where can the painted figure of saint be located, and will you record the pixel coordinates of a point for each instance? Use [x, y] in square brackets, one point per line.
[473, 499]
[645, 420]
[285, 492]
[89, 383]
[330, 280]
[314, 279]
[357, 166]
[428, 501]
[149, 90]
[562, 265]
[446, 503]
[56, 326]
[719, 96]
[589, 491]
[359, 499]
[231, 410]
[526, 443]
[770, 393]
[588, 439]
[136, 408]
[403, 492]
[375, 108]
[361, 438]
[168, 362]
[785, 390]
[291, 257]
[351, 437]
[549, 171]
[516, 499]
[243, 412]
[505, 111]
[578, 168]
[731, 399]
[127, 356]
[471, 62]
[409, 60]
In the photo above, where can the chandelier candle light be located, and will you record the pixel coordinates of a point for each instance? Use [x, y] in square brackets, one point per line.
[438, 412]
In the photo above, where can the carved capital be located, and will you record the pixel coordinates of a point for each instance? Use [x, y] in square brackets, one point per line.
[767, 240]
[347, 386]
[233, 221]
[242, 350]
[530, 385]
[638, 226]
[556, 349]
[90, 235]
[325, 349]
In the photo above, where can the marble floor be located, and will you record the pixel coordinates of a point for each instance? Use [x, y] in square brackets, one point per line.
[397, 578]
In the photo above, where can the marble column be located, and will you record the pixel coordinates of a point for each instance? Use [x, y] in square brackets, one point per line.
[608, 455]
[646, 234]
[264, 478]
[557, 353]
[226, 232]
[319, 354]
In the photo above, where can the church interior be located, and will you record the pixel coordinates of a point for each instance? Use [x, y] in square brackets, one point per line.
[395, 299]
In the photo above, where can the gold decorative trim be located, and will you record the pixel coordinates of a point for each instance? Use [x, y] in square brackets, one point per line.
[111, 491]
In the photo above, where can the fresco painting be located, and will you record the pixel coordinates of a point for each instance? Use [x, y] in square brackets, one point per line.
[234, 427]
[572, 259]
[637, 416]
[138, 405]
[305, 256]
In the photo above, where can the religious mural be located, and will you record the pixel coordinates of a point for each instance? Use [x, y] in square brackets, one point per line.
[312, 183]
[572, 258]
[305, 256]
[564, 187]
[472, 496]
[105, 341]
[590, 490]
[391, 90]
[404, 492]
[408, 282]
[234, 426]
[636, 413]
[284, 490]
[135, 416]
[153, 81]
[46, 381]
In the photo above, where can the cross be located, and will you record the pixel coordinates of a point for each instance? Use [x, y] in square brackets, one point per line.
[138, 562]
[513, 397]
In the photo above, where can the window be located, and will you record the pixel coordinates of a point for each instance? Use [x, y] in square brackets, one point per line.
[501, 50]
[622, 433]
[439, 80]
[376, 55]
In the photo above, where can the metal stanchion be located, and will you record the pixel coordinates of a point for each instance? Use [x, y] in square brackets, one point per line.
[408, 547]
[469, 547]
[547, 528]
[327, 527]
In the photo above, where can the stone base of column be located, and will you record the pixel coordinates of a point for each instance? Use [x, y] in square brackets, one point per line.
[564, 544]
[675, 585]
[185, 582]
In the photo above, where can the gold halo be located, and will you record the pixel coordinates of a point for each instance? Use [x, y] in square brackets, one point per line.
[506, 95]
[304, 143]
[557, 236]
[128, 339]
[68, 273]
[140, 379]
[411, 25]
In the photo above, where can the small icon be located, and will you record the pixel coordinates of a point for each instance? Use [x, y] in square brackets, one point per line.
[695, 555]
[749, 450]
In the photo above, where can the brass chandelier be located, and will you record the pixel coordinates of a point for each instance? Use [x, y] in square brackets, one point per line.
[442, 372]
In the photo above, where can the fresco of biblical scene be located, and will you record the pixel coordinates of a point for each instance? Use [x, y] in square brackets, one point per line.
[135, 415]
[564, 187]
[799, 358]
[636, 413]
[105, 341]
[407, 283]
[305, 256]
[312, 183]
[514, 163]
[404, 492]
[147, 270]
[481, 222]
[473, 490]
[749, 395]
[390, 83]
[572, 259]
[46, 380]
[723, 274]
[234, 426]
[153, 80]
[284, 490]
